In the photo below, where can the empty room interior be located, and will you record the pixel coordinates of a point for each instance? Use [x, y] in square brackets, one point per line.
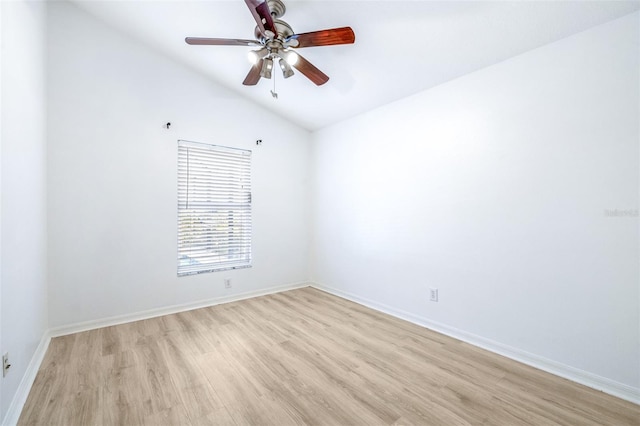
[393, 213]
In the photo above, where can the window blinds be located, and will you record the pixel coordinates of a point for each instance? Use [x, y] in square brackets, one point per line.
[214, 208]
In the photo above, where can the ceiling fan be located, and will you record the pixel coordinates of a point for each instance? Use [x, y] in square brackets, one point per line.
[275, 40]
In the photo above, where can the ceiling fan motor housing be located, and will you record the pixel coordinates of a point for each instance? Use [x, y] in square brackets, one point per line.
[283, 29]
[277, 10]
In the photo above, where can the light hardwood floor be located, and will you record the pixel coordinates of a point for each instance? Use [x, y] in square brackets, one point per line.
[298, 357]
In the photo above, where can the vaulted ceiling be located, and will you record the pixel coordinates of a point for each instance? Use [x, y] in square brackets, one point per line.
[402, 47]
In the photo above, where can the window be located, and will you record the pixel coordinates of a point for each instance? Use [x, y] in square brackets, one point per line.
[214, 208]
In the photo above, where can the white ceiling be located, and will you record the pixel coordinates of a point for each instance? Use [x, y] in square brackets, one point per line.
[402, 47]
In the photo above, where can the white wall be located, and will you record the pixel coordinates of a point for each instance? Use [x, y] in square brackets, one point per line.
[493, 188]
[112, 176]
[23, 188]
[1, 3]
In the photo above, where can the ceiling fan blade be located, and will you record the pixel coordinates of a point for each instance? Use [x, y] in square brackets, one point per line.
[220, 41]
[254, 74]
[261, 13]
[310, 71]
[343, 35]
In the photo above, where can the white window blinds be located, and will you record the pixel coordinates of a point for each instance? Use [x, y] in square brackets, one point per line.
[214, 208]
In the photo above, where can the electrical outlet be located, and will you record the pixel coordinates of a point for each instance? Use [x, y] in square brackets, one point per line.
[5, 364]
[227, 283]
[433, 294]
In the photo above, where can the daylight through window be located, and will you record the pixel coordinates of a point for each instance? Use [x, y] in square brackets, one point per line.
[214, 208]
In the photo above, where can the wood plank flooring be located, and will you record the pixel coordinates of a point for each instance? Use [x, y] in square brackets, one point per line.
[298, 357]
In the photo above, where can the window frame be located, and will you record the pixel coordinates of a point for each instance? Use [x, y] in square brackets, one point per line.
[219, 177]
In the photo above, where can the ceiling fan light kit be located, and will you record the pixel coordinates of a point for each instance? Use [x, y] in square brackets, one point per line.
[286, 68]
[275, 39]
[256, 55]
[267, 66]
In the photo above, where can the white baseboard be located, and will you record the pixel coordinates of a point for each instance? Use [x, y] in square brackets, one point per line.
[591, 380]
[20, 397]
[152, 313]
